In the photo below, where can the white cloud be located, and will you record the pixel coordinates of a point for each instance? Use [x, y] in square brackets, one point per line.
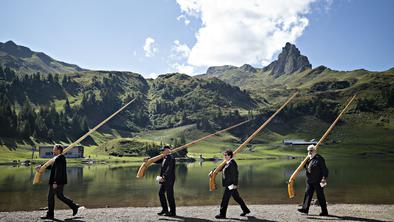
[179, 50]
[177, 59]
[235, 32]
[328, 5]
[150, 47]
[152, 75]
[185, 19]
[182, 68]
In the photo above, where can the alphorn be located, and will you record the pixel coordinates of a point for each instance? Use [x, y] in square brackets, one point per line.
[147, 163]
[41, 170]
[290, 185]
[212, 184]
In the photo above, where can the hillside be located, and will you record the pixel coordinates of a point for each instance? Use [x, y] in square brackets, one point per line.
[59, 106]
[24, 61]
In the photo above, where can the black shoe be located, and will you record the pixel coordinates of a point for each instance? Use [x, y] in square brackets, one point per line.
[75, 210]
[302, 210]
[47, 217]
[219, 216]
[323, 214]
[244, 213]
[162, 212]
[170, 214]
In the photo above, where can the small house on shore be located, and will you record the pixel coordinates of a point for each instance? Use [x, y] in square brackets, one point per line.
[297, 142]
[46, 152]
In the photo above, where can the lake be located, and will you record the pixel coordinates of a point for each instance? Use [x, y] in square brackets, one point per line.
[261, 182]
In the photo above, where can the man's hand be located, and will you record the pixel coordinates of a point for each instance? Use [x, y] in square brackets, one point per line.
[323, 182]
[54, 186]
[210, 173]
[38, 167]
[161, 180]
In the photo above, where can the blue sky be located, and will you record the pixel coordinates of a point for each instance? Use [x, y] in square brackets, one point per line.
[160, 36]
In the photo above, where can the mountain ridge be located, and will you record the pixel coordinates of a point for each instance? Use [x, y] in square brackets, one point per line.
[23, 60]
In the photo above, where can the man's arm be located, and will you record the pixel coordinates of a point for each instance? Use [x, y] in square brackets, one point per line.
[323, 167]
[169, 166]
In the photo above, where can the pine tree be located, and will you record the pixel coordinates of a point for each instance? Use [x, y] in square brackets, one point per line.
[67, 108]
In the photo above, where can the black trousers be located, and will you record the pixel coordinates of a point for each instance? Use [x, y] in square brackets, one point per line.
[167, 187]
[310, 189]
[226, 198]
[59, 193]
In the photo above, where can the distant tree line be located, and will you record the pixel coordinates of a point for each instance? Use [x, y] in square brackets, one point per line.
[22, 118]
[45, 124]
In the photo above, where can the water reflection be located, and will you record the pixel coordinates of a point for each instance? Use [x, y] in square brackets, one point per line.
[261, 182]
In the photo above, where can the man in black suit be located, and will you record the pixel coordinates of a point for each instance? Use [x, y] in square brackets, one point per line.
[57, 180]
[230, 182]
[167, 180]
[316, 175]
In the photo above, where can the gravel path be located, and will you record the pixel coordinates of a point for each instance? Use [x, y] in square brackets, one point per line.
[338, 212]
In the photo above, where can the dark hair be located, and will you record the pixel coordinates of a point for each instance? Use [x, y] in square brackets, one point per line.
[229, 153]
[59, 147]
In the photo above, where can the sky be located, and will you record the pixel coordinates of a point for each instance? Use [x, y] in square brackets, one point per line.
[153, 37]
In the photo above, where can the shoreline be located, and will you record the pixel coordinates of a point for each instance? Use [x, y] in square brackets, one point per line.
[274, 212]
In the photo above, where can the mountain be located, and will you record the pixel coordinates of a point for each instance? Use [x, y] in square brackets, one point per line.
[289, 61]
[221, 97]
[24, 61]
[175, 95]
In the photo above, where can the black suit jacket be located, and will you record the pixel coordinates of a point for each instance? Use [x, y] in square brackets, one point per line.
[316, 169]
[167, 170]
[230, 174]
[58, 171]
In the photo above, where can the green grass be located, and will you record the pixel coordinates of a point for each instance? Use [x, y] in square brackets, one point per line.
[361, 134]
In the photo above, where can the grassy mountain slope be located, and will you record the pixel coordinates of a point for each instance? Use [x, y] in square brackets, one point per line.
[23, 60]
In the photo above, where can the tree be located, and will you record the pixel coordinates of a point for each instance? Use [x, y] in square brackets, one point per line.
[8, 118]
[67, 108]
[50, 78]
[9, 74]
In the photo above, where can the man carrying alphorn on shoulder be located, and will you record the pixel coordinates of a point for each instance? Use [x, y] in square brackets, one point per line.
[316, 175]
[57, 180]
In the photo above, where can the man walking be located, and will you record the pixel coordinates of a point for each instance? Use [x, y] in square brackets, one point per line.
[57, 180]
[230, 182]
[316, 175]
[167, 180]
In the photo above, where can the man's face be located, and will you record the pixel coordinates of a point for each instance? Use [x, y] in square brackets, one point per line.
[226, 157]
[55, 151]
[311, 152]
[166, 152]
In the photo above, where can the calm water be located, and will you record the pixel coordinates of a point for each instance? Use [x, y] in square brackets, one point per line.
[261, 182]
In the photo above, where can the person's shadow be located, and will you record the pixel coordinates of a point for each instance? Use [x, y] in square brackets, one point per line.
[252, 218]
[73, 219]
[351, 218]
[182, 218]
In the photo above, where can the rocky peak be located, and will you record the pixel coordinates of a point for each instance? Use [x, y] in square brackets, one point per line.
[289, 60]
[248, 68]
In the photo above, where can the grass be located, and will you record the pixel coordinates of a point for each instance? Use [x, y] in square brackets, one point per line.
[362, 134]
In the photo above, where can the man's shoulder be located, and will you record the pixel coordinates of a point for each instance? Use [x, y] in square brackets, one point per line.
[319, 157]
[61, 157]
